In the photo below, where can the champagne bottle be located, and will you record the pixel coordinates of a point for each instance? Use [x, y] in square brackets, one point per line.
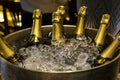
[80, 31]
[109, 52]
[102, 32]
[36, 32]
[7, 52]
[57, 30]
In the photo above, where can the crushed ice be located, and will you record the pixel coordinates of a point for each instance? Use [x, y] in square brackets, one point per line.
[72, 56]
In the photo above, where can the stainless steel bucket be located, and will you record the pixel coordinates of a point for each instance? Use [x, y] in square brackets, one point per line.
[9, 71]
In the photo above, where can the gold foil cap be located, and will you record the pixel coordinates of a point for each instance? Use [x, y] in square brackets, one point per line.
[105, 19]
[61, 9]
[82, 10]
[37, 13]
[56, 16]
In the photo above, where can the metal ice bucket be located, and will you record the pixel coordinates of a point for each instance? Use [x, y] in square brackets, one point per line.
[10, 71]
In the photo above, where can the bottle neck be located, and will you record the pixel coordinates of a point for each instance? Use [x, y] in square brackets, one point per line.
[36, 33]
[80, 31]
[57, 35]
[80, 27]
[36, 29]
[100, 37]
[62, 10]
[58, 29]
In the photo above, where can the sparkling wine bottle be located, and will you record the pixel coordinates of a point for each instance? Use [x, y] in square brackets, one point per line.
[80, 27]
[57, 30]
[7, 52]
[109, 52]
[101, 34]
[36, 32]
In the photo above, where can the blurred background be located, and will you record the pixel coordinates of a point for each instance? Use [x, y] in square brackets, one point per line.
[10, 16]
[11, 19]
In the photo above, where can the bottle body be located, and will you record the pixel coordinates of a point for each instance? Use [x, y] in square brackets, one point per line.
[7, 52]
[109, 52]
[80, 30]
[36, 32]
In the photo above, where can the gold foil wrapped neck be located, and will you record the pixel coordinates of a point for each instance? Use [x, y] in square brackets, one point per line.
[56, 16]
[82, 10]
[36, 32]
[37, 13]
[105, 19]
[80, 27]
[101, 35]
[61, 9]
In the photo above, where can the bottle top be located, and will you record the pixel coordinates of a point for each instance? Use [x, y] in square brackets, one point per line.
[56, 16]
[37, 13]
[82, 10]
[105, 19]
[61, 9]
